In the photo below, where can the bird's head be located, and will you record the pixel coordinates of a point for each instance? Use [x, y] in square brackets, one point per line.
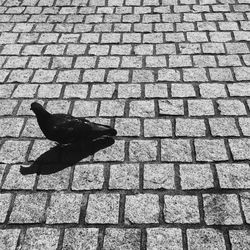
[37, 108]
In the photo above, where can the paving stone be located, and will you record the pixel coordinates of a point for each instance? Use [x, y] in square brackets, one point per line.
[200, 107]
[4, 203]
[181, 90]
[210, 150]
[71, 76]
[176, 150]
[112, 108]
[142, 108]
[112, 153]
[127, 126]
[29, 208]
[231, 107]
[223, 127]
[102, 91]
[157, 176]
[221, 209]
[141, 208]
[233, 175]
[240, 148]
[239, 239]
[9, 238]
[208, 238]
[118, 76]
[49, 90]
[169, 75]
[64, 208]
[15, 180]
[156, 90]
[102, 208]
[5, 91]
[214, 90]
[171, 107]
[25, 91]
[58, 106]
[194, 75]
[181, 209]
[245, 201]
[124, 176]
[190, 127]
[85, 108]
[41, 238]
[164, 238]
[245, 125]
[142, 76]
[44, 76]
[129, 90]
[76, 91]
[116, 238]
[88, 177]
[19, 75]
[55, 181]
[143, 150]
[196, 176]
[80, 238]
[157, 128]
[10, 127]
[13, 151]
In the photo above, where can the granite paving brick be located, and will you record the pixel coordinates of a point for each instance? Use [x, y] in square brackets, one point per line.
[172, 77]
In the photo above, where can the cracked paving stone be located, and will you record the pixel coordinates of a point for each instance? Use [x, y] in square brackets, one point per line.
[141, 208]
[240, 148]
[233, 175]
[88, 177]
[196, 176]
[124, 176]
[29, 208]
[240, 239]
[13, 151]
[221, 209]
[164, 238]
[205, 239]
[181, 209]
[80, 238]
[210, 150]
[103, 208]
[41, 238]
[9, 238]
[15, 180]
[126, 239]
[176, 150]
[157, 176]
[4, 204]
[64, 208]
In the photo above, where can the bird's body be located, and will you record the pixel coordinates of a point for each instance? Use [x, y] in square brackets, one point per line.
[67, 129]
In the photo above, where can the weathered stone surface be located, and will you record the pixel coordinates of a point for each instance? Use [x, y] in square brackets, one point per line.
[221, 209]
[141, 208]
[164, 238]
[181, 209]
[205, 239]
[103, 208]
[41, 238]
[80, 238]
[124, 176]
[126, 239]
[158, 176]
[64, 208]
[196, 176]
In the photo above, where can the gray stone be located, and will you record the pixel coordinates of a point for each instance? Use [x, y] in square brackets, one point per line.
[9, 238]
[240, 239]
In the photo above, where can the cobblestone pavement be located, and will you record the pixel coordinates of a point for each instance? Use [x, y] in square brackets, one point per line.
[172, 76]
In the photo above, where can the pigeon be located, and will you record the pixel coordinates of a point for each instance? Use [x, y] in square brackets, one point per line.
[67, 129]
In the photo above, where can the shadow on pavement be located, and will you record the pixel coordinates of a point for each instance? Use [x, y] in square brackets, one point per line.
[61, 157]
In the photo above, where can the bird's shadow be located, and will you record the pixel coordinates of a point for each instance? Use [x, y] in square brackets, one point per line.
[61, 157]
